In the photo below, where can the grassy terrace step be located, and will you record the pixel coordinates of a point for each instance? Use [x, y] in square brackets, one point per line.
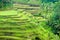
[17, 28]
[8, 12]
[9, 16]
[10, 37]
[14, 32]
[17, 31]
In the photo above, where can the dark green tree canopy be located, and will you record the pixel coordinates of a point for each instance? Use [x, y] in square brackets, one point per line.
[5, 3]
[46, 1]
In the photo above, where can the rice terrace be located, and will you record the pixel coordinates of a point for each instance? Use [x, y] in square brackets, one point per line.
[29, 19]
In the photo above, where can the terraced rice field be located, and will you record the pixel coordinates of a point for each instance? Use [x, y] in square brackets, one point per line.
[22, 26]
[14, 27]
[27, 8]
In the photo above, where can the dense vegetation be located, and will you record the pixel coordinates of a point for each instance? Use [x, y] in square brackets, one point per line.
[30, 20]
[5, 4]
